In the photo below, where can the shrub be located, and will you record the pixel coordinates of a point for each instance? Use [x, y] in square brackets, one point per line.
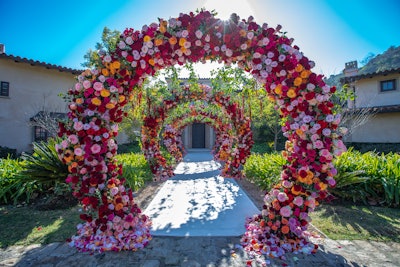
[135, 169]
[264, 170]
[9, 170]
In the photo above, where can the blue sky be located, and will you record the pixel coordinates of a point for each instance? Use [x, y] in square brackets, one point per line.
[330, 32]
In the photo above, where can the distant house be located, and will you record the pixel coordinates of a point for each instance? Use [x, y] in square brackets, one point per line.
[377, 93]
[28, 89]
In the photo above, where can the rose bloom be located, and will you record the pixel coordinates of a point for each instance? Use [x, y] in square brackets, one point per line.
[78, 151]
[285, 211]
[95, 148]
[282, 197]
[298, 201]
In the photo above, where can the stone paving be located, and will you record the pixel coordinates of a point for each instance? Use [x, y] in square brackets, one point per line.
[202, 251]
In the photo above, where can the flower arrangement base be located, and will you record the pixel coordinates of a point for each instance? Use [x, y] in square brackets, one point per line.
[90, 239]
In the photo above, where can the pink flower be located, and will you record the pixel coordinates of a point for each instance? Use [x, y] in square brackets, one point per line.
[285, 211]
[95, 148]
[73, 139]
[86, 84]
[78, 151]
[298, 201]
[282, 197]
[98, 86]
[78, 126]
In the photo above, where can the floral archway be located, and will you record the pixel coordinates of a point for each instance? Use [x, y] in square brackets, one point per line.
[224, 141]
[112, 220]
[154, 121]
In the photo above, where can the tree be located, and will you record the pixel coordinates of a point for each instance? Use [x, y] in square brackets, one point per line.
[108, 43]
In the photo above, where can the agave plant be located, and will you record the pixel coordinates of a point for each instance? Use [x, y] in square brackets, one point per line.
[42, 173]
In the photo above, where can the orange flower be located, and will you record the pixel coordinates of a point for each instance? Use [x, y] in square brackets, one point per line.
[299, 68]
[278, 89]
[284, 221]
[79, 101]
[172, 40]
[243, 33]
[297, 81]
[119, 206]
[96, 101]
[323, 186]
[105, 72]
[104, 93]
[152, 62]
[305, 73]
[285, 229]
[121, 98]
[163, 26]
[116, 65]
[110, 105]
[146, 39]
[158, 42]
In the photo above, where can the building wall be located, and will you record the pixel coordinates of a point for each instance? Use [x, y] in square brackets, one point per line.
[382, 128]
[32, 89]
[368, 92]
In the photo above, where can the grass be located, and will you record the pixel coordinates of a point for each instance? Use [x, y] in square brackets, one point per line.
[26, 225]
[355, 222]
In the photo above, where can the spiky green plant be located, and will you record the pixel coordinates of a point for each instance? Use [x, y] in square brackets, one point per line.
[42, 173]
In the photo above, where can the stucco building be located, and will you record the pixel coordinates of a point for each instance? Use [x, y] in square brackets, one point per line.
[378, 93]
[29, 87]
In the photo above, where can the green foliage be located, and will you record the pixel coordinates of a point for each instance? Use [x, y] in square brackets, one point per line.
[39, 173]
[9, 170]
[135, 169]
[264, 170]
[108, 43]
[133, 147]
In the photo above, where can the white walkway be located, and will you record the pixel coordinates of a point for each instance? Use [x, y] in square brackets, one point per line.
[199, 202]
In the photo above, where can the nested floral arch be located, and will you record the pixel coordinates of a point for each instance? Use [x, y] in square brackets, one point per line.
[225, 141]
[156, 116]
[112, 220]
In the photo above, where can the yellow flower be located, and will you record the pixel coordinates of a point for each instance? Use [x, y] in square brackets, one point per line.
[242, 33]
[104, 93]
[146, 38]
[291, 93]
[182, 41]
[96, 101]
[297, 81]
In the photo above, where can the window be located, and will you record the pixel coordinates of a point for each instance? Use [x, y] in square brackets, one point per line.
[4, 89]
[389, 85]
[40, 134]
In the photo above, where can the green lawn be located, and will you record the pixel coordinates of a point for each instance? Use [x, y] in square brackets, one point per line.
[26, 225]
[354, 222]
